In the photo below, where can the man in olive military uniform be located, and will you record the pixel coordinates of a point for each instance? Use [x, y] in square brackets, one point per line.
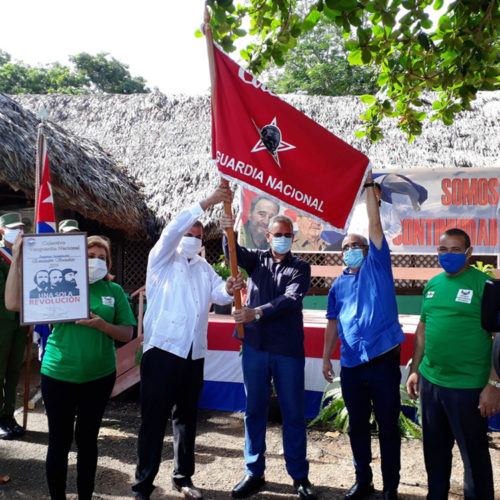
[12, 335]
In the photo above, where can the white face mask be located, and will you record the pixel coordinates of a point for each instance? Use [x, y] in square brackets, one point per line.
[10, 235]
[189, 246]
[97, 270]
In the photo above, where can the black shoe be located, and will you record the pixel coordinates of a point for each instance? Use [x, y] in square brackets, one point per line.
[5, 432]
[248, 486]
[359, 490]
[15, 428]
[390, 495]
[141, 496]
[304, 488]
[188, 490]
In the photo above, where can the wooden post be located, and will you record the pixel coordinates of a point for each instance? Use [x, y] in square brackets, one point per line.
[233, 261]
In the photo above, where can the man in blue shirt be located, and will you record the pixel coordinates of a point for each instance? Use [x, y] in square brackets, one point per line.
[273, 348]
[362, 312]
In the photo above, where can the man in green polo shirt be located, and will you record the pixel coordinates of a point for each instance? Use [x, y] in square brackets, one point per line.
[452, 371]
[12, 335]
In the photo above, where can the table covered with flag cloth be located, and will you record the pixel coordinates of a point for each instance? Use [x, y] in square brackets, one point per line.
[223, 385]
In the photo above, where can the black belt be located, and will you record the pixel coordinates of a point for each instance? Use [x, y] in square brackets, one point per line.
[392, 353]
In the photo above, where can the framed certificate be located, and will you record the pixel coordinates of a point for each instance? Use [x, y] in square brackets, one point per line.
[55, 285]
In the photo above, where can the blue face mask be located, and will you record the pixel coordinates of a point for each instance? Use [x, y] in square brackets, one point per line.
[452, 262]
[353, 257]
[281, 245]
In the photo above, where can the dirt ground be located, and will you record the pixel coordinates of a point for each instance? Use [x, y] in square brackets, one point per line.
[219, 459]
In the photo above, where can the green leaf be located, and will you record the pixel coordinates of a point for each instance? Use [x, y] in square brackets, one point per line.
[437, 4]
[444, 23]
[426, 23]
[424, 40]
[364, 35]
[332, 13]
[354, 57]
[311, 20]
[367, 99]
[388, 19]
[346, 4]
[366, 56]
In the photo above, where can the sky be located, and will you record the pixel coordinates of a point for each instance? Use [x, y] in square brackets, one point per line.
[155, 38]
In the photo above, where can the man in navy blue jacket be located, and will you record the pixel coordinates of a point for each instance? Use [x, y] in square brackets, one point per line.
[273, 348]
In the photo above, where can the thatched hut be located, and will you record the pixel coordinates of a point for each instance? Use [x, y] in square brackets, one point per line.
[86, 183]
[163, 142]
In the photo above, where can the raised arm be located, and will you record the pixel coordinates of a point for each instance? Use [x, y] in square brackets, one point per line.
[375, 230]
[171, 236]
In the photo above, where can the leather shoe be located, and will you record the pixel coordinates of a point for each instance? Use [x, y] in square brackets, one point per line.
[304, 488]
[390, 495]
[15, 428]
[5, 432]
[188, 490]
[359, 491]
[248, 486]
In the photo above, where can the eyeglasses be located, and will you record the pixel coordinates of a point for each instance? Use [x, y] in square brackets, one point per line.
[280, 235]
[353, 246]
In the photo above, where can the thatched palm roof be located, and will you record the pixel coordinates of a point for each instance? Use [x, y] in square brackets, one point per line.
[164, 141]
[84, 177]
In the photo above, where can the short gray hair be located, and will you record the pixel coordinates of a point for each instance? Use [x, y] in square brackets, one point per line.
[360, 236]
[280, 218]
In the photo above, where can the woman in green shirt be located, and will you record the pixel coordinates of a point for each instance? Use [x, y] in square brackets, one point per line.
[79, 371]
[78, 374]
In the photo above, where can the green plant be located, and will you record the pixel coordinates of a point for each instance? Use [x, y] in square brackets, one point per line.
[333, 412]
[485, 268]
[221, 267]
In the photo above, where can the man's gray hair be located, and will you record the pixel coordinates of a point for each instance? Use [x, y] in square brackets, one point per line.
[280, 218]
[363, 239]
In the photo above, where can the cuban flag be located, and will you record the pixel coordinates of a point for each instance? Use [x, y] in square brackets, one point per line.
[45, 223]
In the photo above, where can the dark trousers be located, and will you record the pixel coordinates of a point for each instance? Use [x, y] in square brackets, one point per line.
[12, 344]
[449, 415]
[64, 402]
[376, 383]
[170, 386]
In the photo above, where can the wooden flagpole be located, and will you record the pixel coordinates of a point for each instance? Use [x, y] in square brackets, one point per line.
[38, 175]
[233, 260]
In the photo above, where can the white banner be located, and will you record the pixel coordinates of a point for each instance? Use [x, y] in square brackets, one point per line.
[416, 208]
[54, 278]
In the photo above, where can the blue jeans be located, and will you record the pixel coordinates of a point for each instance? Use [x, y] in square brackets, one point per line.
[449, 415]
[288, 376]
[374, 383]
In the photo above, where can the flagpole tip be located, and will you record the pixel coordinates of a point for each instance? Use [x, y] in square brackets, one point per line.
[42, 114]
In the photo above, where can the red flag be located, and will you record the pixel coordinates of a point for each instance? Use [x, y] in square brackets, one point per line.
[262, 142]
[45, 220]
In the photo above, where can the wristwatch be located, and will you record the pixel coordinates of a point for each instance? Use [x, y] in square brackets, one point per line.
[494, 383]
[257, 314]
[368, 184]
